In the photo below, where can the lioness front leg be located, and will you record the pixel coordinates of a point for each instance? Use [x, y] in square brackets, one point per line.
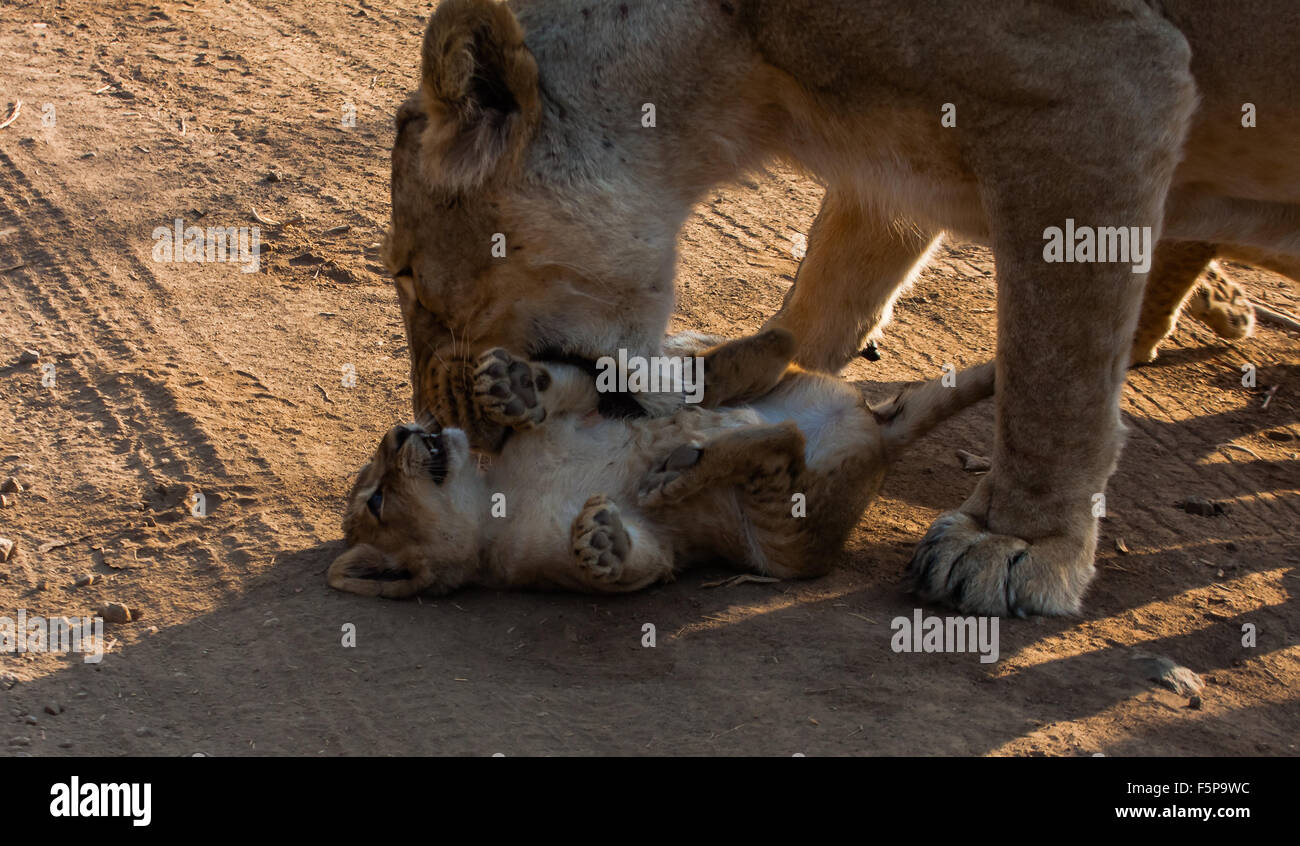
[1024, 540]
[606, 556]
[858, 261]
[759, 458]
[518, 393]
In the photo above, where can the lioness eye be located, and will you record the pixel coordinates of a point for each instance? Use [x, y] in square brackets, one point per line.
[375, 502]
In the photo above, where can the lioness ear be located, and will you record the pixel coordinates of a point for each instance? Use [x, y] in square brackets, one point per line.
[480, 92]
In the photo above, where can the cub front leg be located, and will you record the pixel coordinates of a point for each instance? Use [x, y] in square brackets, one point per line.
[606, 556]
[518, 393]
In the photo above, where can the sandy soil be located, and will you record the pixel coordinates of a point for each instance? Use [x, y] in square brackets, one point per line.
[172, 378]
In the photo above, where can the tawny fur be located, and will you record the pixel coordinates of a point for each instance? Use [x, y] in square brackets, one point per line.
[581, 502]
[1110, 112]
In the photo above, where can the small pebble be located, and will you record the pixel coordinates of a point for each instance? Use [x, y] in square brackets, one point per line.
[20, 741]
[6, 549]
[115, 612]
[7, 501]
[30, 719]
[86, 579]
[1279, 435]
[29, 357]
[43, 584]
[12, 485]
[54, 709]
[1202, 507]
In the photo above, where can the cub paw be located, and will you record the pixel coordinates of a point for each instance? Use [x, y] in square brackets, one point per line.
[600, 542]
[960, 564]
[671, 478]
[506, 389]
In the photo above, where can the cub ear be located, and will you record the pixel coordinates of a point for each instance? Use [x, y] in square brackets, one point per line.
[367, 571]
[480, 90]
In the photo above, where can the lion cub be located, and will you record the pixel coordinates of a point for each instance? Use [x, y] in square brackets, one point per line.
[769, 472]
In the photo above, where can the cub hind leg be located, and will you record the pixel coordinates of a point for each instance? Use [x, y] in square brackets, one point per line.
[615, 552]
[754, 457]
[759, 466]
[798, 492]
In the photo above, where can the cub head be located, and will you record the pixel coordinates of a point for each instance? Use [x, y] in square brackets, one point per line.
[518, 220]
[413, 517]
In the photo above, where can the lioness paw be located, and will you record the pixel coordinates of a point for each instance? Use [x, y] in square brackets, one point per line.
[506, 389]
[1221, 304]
[960, 564]
[600, 541]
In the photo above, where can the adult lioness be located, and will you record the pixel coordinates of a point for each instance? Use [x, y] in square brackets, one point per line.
[555, 147]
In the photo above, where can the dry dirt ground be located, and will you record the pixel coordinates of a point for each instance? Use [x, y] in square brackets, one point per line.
[172, 378]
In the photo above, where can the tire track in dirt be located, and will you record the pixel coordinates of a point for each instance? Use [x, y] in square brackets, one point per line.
[114, 374]
[1164, 420]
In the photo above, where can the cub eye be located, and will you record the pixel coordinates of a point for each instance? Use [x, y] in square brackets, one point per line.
[375, 502]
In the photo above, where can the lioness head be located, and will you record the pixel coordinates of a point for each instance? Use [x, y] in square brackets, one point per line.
[411, 522]
[519, 220]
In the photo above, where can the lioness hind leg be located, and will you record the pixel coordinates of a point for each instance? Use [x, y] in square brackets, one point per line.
[1175, 271]
[1221, 304]
[760, 459]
